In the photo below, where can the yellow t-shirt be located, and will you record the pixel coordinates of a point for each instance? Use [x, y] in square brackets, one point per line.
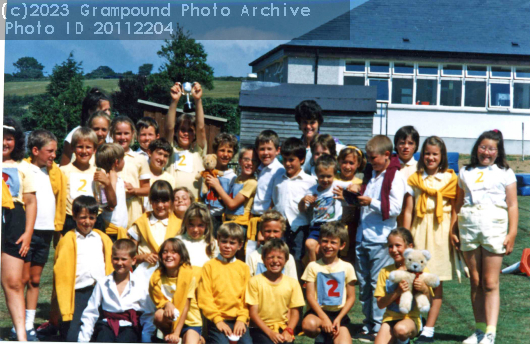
[392, 312]
[168, 288]
[249, 191]
[274, 300]
[355, 180]
[184, 166]
[77, 183]
[19, 179]
[135, 169]
[331, 281]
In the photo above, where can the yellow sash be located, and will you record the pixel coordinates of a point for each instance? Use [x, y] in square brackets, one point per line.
[447, 191]
[173, 229]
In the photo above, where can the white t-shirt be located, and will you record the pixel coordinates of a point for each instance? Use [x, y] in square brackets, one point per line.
[326, 208]
[45, 199]
[197, 250]
[90, 262]
[119, 215]
[486, 185]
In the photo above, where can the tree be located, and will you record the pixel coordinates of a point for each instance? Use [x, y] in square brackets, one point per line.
[125, 101]
[145, 69]
[101, 72]
[28, 68]
[60, 108]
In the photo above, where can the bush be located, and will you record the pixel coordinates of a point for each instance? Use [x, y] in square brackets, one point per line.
[224, 108]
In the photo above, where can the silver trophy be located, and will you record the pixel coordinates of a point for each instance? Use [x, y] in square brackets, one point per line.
[188, 106]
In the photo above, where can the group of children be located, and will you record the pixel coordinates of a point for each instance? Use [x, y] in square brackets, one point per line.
[142, 254]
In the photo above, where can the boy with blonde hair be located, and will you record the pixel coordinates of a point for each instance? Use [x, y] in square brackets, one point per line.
[223, 304]
[110, 158]
[272, 226]
[382, 192]
[80, 173]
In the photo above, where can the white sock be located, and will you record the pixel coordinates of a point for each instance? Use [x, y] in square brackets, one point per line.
[30, 318]
[428, 331]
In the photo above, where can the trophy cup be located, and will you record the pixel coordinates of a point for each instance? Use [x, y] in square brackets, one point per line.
[188, 106]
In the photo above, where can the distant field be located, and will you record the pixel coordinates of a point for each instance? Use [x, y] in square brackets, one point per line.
[222, 89]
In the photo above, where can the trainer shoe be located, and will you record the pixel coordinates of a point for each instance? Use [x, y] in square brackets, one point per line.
[31, 335]
[489, 338]
[366, 337]
[47, 329]
[475, 338]
[13, 335]
[424, 339]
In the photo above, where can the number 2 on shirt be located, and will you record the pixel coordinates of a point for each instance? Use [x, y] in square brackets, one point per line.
[479, 179]
[183, 161]
[330, 288]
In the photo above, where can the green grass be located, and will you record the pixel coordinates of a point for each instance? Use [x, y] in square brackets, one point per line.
[222, 89]
[456, 318]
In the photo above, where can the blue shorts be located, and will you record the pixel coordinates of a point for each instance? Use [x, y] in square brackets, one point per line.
[314, 231]
[186, 328]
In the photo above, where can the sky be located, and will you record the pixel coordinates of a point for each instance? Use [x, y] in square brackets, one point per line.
[228, 58]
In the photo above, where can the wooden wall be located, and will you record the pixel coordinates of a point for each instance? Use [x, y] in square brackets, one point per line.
[349, 129]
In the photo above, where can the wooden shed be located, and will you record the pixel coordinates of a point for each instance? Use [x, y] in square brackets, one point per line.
[214, 125]
[348, 110]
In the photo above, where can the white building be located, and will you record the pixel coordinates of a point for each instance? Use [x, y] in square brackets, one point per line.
[450, 68]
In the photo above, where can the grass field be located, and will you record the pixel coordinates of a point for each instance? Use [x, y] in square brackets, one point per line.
[456, 318]
[222, 89]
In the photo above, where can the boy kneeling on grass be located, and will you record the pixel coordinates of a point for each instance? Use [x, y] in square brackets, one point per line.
[330, 288]
[274, 298]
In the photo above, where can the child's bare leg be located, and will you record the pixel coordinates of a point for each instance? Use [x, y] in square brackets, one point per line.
[474, 263]
[344, 336]
[384, 336]
[14, 293]
[311, 325]
[435, 307]
[161, 322]
[405, 329]
[491, 267]
[32, 294]
[311, 246]
[191, 337]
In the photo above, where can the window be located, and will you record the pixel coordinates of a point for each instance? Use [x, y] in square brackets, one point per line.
[475, 94]
[501, 72]
[477, 71]
[403, 68]
[426, 91]
[354, 80]
[402, 91]
[522, 72]
[521, 96]
[380, 67]
[452, 70]
[427, 70]
[500, 95]
[355, 66]
[451, 93]
[382, 88]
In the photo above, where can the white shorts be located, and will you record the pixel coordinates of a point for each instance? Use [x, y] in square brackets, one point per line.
[483, 225]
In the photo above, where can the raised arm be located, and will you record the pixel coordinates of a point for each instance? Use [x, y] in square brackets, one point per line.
[176, 93]
[200, 127]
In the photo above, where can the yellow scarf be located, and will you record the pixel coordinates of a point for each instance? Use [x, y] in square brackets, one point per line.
[64, 270]
[447, 191]
[173, 229]
[58, 181]
[7, 199]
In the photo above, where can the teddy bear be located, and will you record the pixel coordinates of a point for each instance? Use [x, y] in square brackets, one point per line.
[209, 162]
[415, 262]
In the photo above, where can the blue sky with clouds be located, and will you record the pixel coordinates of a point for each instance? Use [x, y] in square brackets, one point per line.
[228, 58]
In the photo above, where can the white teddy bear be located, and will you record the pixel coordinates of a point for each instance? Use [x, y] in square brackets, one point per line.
[415, 261]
